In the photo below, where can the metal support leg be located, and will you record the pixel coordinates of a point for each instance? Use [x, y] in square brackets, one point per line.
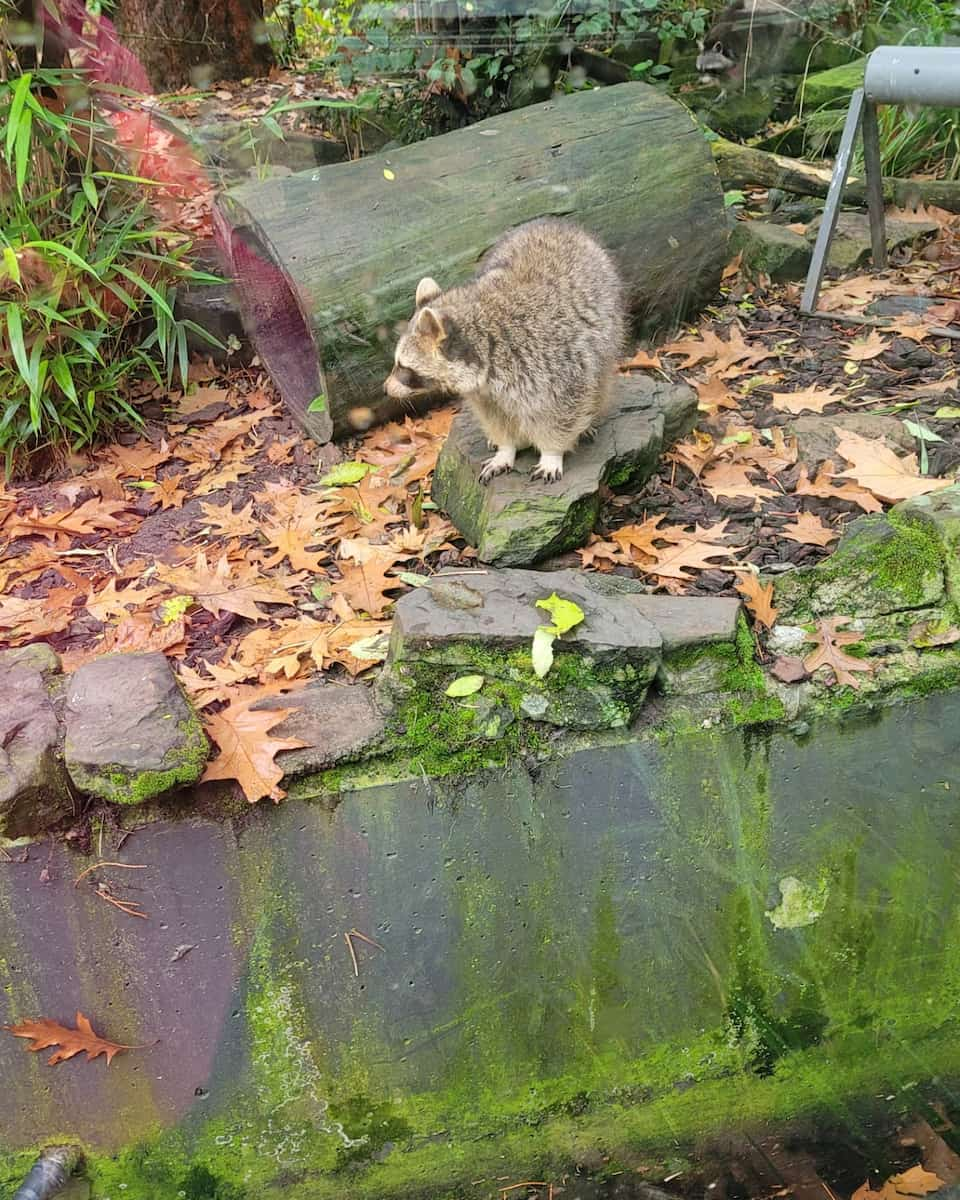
[874, 179]
[828, 222]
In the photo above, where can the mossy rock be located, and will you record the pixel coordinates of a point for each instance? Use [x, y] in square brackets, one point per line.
[883, 564]
[772, 250]
[833, 87]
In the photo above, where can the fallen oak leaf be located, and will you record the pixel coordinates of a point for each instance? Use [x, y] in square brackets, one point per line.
[82, 1040]
[811, 399]
[863, 349]
[758, 598]
[246, 752]
[694, 553]
[913, 1182]
[643, 360]
[89, 517]
[828, 653]
[222, 519]
[731, 479]
[876, 468]
[809, 530]
[224, 588]
[823, 488]
[713, 394]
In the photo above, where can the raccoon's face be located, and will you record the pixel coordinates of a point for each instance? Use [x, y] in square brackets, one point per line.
[430, 357]
[714, 62]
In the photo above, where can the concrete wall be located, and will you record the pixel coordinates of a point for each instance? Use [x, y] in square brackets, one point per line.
[640, 948]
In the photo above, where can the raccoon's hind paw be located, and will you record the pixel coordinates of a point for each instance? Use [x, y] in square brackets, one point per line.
[501, 462]
[549, 469]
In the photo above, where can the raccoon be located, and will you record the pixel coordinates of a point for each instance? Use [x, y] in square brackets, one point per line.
[531, 343]
[757, 32]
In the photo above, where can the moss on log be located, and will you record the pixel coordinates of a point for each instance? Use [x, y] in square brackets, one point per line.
[327, 261]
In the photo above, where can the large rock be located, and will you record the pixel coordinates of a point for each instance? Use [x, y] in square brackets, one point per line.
[484, 625]
[34, 789]
[131, 734]
[883, 565]
[938, 512]
[772, 250]
[851, 245]
[818, 436]
[832, 87]
[515, 522]
[336, 723]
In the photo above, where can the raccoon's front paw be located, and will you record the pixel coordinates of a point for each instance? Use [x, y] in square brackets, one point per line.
[549, 469]
[501, 462]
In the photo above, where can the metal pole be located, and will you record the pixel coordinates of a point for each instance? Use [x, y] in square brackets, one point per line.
[871, 163]
[828, 222]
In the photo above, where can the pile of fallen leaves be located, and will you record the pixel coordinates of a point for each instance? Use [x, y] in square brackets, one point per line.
[212, 539]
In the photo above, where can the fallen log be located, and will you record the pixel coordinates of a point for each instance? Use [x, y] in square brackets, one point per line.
[326, 262]
[745, 166]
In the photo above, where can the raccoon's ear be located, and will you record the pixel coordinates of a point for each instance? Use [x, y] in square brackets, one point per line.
[427, 289]
[429, 325]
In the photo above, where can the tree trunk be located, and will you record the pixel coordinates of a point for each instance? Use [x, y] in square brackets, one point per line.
[327, 262]
[195, 42]
[743, 166]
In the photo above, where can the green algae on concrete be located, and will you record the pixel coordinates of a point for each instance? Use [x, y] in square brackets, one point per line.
[594, 967]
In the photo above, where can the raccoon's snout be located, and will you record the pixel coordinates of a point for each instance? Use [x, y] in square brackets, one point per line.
[403, 382]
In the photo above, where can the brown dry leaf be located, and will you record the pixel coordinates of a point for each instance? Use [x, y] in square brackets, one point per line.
[136, 634]
[643, 538]
[691, 554]
[860, 290]
[881, 472]
[222, 519]
[224, 588]
[731, 479]
[829, 640]
[697, 350]
[811, 399]
[643, 360]
[733, 267]
[229, 471]
[89, 517]
[34, 618]
[82, 1040]
[909, 326]
[727, 354]
[290, 541]
[714, 394]
[602, 555]
[282, 452]
[866, 1192]
[809, 530]
[823, 488]
[280, 649]
[694, 452]
[865, 348]
[947, 312]
[207, 444]
[364, 585]
[199, 399]
[913, 1182]
[140, 460]
[246, 751]
[759, 599]
[109, 603]
[168, 492]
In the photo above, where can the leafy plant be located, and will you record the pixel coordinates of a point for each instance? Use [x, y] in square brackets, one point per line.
[87, 280]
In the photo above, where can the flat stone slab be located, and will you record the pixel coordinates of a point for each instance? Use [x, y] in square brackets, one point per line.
[484, 624]
[851, 245]
[337, 723]
[34, 789]
[131, 734]
[514, 521]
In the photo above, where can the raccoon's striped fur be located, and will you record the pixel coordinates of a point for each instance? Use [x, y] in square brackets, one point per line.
[531, 343]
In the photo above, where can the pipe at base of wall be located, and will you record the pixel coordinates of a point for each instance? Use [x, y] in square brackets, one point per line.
[50, 1173]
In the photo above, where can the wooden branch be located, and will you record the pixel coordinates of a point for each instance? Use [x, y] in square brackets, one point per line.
[744, 166]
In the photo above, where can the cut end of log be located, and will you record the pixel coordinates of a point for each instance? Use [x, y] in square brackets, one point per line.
[276, 325]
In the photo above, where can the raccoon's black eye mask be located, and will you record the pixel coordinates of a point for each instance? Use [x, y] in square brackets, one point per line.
[411, 379]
